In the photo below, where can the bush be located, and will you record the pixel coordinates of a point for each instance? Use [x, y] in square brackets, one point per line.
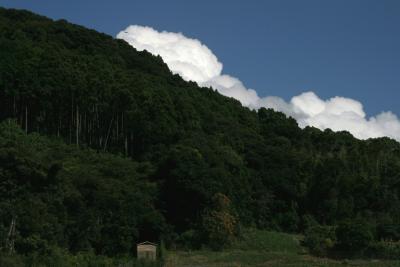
[319, 239]
[388, 231]
[384, 250]
[353, 236]
[189, 239]
[162, 253]
[11, 261]
[219, 227]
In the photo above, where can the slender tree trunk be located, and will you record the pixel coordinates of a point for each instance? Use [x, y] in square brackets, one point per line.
[11, 236]
[72, 120]
[84, 127]
[26, 118]
[124, 134]
[117, 128]
[14, 106]
[59, 124]
[77, 126]
[126, 145]
[97, 123]
[108, 133]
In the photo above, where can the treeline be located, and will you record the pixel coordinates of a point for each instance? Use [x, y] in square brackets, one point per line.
[141, 154]
[53, 194]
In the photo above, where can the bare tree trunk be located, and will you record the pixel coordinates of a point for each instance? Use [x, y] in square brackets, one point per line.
[126, 145]
[90, 129]
[97, 123]
[84, 127]
[77, 126]
[117, 127]
[125, 135]
[26, 118]
[14, 107]
[108, 133]
[59, 125]
[72, 120]
[11, 236]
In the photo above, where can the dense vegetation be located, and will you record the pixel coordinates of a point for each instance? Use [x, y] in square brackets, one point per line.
[256, 248]
[102, 147]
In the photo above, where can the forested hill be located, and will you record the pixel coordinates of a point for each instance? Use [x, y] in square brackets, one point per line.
[101, 147]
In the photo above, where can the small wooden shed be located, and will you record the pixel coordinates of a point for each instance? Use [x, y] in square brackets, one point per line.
[147, 251]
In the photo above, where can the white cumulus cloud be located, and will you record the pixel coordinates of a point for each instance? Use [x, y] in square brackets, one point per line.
[194, 61]
[338, 114]
[184, 56]
[233, 87]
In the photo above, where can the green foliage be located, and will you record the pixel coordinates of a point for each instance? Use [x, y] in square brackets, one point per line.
[219, 225]
[384, 250]
[387, 230]
[77, 199]
[353, 235]
[320, 239]
[190, 239]
[60, 258]
[267, 241]
[108, 148]
[11, 261]
[267, 248]
[162, 253]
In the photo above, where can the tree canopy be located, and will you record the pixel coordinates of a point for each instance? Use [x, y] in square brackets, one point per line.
[102, 146]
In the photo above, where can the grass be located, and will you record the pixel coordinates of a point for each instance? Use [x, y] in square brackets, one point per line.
[264, 248]
[269, 241]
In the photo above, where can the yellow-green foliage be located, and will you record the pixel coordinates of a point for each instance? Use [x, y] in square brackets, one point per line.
[219, 224]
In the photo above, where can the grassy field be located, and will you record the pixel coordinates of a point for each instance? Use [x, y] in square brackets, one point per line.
[262, 248]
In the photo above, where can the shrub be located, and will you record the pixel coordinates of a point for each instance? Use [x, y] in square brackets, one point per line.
[308, 221]
[288, 221]
[388, 231]
[189, 239]
[162, 252]
[219, 226]
[384, 250]
[353, 235]
[319, 239]
[11, 261]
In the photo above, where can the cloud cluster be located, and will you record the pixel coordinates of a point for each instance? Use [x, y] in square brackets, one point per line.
[195, 62]
[185, 56]
[338, 114]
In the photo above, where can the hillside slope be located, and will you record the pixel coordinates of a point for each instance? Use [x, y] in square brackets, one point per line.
[98, 94]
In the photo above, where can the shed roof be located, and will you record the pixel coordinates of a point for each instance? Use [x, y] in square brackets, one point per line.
[146, 243]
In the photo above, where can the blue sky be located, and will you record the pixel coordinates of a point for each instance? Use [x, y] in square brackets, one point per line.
[347, 48]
